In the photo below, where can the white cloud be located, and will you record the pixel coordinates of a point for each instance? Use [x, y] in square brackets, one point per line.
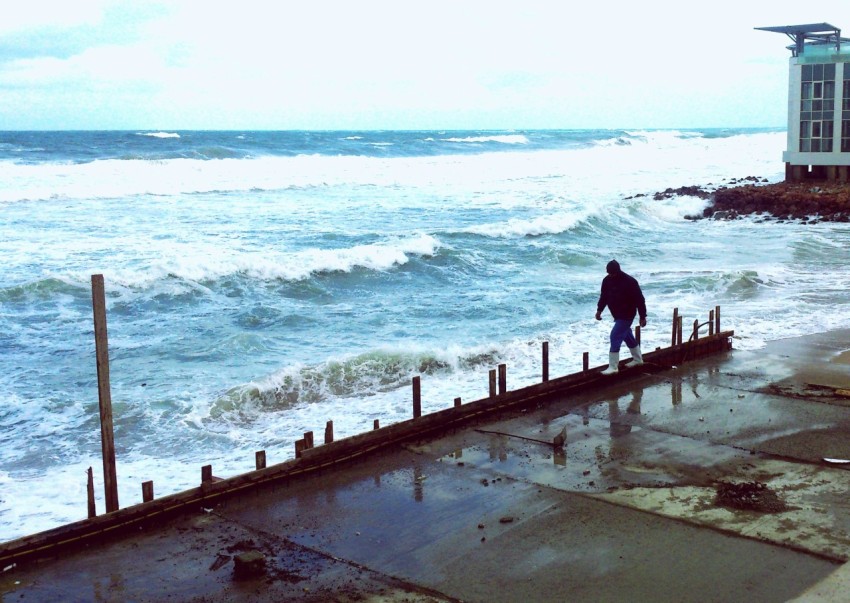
[192, 63]
[40, 14]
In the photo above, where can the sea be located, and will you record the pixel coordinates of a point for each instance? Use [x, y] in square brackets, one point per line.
[260, 284]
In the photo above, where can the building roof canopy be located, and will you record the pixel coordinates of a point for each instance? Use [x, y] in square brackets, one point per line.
[816, 33]
[802, 29]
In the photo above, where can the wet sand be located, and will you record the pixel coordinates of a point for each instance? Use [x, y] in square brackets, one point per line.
[626, 511]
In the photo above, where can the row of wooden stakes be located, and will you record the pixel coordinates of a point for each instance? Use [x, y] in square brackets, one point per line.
[497, 386]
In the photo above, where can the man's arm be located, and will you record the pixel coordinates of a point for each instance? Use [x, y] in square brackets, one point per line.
[600, 305]
[641, 305]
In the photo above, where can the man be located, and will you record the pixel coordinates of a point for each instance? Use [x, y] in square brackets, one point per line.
[622, 294]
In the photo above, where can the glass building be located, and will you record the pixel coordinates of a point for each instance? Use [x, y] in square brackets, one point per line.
[818, 103]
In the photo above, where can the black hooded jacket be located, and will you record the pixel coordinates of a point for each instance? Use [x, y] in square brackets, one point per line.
[621, 293]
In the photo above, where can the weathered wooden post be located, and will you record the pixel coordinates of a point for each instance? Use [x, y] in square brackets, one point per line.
[679, 330]
[300, 446]
[457, 402]
[717, 319]
[711, 323]
[492, 383]
[376, 424]
[417, 398]
[545, 361]
[90, 492]
[674, 340]
[260, 459]
[503, 378]
[585, 361]
[147, 491]
[206, 474]
[308, 439]
[101, 343]
[696, 329]
[329, 432]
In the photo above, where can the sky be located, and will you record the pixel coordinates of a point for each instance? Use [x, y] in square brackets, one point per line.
[379, 64]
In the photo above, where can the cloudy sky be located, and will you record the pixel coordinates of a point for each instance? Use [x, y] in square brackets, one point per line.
[373, 64]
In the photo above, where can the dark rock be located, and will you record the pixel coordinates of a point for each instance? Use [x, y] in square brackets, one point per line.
[785, 200]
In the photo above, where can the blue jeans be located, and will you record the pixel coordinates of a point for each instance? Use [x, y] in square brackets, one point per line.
[622, 331]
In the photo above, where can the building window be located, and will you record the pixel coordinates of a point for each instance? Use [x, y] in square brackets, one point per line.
[817, 108]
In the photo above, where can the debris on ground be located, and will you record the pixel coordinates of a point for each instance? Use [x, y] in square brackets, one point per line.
[749, 496]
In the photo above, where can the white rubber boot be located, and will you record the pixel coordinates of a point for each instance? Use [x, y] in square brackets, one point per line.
[637, 357]
[613, 363]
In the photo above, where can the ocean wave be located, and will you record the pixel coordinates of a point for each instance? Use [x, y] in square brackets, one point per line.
[206, 168]
[159, 134]
[42, 289]
[362, 376]
[188, 269]
[502, 138]
[542, 225]
[375, 256]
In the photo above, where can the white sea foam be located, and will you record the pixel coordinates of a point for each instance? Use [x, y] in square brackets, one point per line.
[159, 134]
[688, 160]
[503, 138]
[199, 263]
[517, 227]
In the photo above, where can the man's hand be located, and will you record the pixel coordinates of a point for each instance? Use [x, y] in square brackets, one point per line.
[643, 321]
[599, 316]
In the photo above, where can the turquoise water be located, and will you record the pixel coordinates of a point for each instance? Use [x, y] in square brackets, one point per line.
[260, 284]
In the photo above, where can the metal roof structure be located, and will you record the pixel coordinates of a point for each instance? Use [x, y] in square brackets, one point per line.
[817, 33]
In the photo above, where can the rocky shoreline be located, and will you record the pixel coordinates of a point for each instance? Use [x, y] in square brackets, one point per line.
[809, 202]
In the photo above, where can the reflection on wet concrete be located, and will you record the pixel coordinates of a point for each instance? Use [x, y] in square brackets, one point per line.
[676, 392]
[418, 478]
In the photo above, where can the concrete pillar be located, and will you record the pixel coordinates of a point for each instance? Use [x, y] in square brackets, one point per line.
[798, 173]
[831, 173]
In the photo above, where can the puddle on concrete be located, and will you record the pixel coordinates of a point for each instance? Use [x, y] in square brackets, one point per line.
[597, 456]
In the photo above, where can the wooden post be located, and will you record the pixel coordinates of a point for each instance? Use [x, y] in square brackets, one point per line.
[101, 343]
[696, 329]
[206, 474]
[717, 319]
[376, 424]
[90, 492]
[492, 383]
[417, 398]
[457, 402]
[545, 361]
[637, 334]
[503, 378]
[300, 445]
[711, 323]
[585, 361]
[679, 331]
[675, 339]
[147, 491]
[329, 432]
[308, 439]
[260, 459]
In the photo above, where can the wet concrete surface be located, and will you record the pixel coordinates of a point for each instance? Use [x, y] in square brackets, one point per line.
[626, 511]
